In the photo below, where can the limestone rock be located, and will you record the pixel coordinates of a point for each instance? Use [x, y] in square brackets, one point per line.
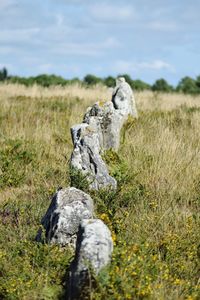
[68, 208]
[87, 159]
[100, 131]
[108, 119]
[123, 98]
[93, 252]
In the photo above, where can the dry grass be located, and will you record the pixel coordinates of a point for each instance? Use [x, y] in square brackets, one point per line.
[36, 91]
[154, 214]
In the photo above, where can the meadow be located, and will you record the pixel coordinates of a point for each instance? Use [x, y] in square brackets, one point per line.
[153, 215]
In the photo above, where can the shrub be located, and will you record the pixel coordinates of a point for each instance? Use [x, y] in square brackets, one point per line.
[78, 179]
[198, 83]
[14, 159]
[91, 80]
[3, 74]
[188, 85]
[43, 80]
[161, 85]
[140, 85]
[109, 81]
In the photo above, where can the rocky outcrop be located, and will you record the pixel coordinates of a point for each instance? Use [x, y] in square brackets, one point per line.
[93, 252]
[61, 222]
[100, 131]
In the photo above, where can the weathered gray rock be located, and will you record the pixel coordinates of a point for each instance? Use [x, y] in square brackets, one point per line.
[87, 159]
[123, 98]
[93, 252]
[100, 131]
[109, 118]
[68, 208]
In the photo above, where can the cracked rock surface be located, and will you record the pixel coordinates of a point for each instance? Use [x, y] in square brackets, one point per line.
[108, 119]
[86, 157]
[68, 208]
[93, 252]
[100, 131]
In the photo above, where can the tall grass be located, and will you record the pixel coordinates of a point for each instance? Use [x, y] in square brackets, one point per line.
[154, 215]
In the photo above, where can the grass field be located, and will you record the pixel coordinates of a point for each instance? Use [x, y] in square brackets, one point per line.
[153, 216]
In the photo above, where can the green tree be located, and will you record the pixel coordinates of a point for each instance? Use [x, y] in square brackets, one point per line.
[21, 80]
[75, 80]
[47, 80]
[43, 80]
[91, 79]
[188, 85]
[161, 85]
[140, 85]
[198, 83]
[109, 81]
[3, 74]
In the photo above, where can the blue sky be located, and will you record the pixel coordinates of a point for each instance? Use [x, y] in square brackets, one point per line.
[147, 39]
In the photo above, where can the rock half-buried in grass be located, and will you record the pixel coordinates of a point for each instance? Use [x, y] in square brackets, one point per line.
[87, 159]
[93, 252]
[68, 208]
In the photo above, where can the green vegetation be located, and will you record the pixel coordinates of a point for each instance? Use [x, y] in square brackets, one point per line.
[161, 85]
[153, 215]
[109, 81]
[140, 85]
[3, 74]
[187, 85]
[78, 180]
[43, 80]
[92, 79]
[16, 156]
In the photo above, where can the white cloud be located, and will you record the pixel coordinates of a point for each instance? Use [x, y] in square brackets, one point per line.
[45, 68]
[85, 34]
[127, 67]
[110, 42]
[156, 65]
[5, 50]
[4, 4]
[162, 26]
[10, 67]
[18, 35]
[59, 19]
[3, 65]
[85, 48]
[111, 13]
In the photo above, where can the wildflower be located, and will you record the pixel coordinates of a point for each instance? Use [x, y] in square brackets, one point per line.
[134, 273]
[177, 281]
[154, 257]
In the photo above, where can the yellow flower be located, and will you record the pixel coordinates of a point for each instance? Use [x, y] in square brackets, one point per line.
[134, 273]
[177, 281]
[154, 257]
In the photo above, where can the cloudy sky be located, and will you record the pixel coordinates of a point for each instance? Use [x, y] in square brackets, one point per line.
[147, 39]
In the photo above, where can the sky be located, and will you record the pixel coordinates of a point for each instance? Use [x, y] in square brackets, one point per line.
[148, 39]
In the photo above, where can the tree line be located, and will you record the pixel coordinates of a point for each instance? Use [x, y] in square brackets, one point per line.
[186, 85]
